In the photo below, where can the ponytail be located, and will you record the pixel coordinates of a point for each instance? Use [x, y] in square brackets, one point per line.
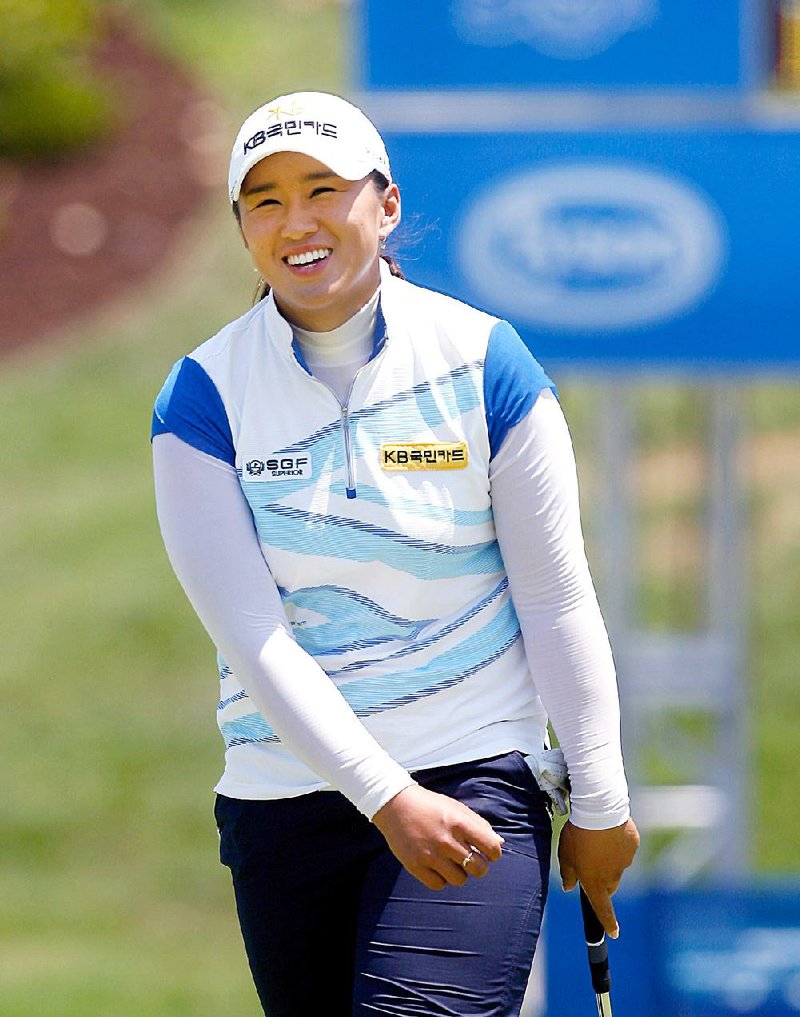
[394, 268]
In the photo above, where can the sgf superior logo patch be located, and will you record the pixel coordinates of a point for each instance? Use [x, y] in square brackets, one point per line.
[279, 466]
[401, 456]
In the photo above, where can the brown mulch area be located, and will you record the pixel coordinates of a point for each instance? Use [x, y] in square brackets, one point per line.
[77, 233]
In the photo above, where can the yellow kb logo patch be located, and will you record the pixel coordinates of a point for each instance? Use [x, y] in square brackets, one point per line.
[424, 455]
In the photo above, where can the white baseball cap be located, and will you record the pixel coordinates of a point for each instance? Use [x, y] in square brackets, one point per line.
[323, 126]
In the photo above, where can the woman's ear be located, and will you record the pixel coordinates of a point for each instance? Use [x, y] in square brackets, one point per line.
[391, 210]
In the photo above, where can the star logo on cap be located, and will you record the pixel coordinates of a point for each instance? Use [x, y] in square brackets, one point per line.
[279, 113]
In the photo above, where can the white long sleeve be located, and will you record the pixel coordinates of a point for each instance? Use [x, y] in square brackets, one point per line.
[537, 519]
[212, 544]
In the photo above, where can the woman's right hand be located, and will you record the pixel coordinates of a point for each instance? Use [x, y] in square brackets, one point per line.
[432, 835]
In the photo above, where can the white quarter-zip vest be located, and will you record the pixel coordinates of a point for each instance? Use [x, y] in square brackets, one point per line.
[375, 519]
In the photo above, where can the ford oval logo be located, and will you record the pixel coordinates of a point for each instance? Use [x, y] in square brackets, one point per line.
[591, 246]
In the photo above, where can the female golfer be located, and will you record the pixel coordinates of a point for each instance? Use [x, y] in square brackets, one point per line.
[367, 490]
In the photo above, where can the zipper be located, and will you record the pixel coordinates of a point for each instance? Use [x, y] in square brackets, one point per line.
[350, 488]
[347, 442]
[350, 483]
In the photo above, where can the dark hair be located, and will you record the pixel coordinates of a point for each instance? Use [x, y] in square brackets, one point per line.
[381, 183]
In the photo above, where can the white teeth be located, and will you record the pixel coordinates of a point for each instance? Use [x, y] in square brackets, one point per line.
[308, 256]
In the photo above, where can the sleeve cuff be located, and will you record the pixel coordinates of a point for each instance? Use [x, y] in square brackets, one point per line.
[590, 819]
[378, 796]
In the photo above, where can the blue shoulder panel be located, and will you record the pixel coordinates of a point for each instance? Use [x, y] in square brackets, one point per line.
[190, 407]
[512, 381]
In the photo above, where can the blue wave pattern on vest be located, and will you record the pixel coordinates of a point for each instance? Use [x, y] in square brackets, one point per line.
[337, 623]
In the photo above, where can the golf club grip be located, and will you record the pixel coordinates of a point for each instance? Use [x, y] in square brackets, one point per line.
[596, 946]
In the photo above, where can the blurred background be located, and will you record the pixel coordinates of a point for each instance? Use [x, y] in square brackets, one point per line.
[621, 181]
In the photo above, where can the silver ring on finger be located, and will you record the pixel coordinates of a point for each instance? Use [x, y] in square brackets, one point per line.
[468, 859]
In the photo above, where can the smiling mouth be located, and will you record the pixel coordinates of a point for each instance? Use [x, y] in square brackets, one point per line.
[308, 257]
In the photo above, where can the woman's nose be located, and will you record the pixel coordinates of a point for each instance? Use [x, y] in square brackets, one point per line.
[298, 221]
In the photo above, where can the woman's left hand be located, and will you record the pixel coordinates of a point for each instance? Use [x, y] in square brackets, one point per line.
[596, 859]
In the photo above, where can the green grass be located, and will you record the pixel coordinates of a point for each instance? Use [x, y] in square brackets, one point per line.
[774, 698]
[248, 51]
[112, 899]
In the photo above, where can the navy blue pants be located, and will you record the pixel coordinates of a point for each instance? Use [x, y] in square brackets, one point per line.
[334, 925]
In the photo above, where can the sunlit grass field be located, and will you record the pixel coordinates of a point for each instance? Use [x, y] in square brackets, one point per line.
[112, 899]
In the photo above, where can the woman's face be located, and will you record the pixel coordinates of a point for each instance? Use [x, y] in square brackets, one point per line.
[314, 237]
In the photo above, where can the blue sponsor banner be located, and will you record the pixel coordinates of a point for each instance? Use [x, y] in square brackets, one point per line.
[536, 44]
[729, 953]
[695, 953]
[624, 249]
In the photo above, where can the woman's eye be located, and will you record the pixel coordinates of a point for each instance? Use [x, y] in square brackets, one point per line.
[265, 202]
[321, 190]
